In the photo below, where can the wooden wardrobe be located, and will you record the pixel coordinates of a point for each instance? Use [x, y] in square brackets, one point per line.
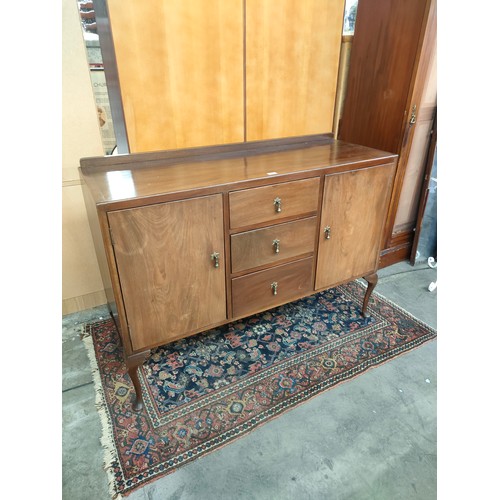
[391, 103]
[191, 73]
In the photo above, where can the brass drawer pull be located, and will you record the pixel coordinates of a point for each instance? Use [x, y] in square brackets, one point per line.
[274, 287]
[328, 232]
[215, 258]
[276, 245]
[277, 204]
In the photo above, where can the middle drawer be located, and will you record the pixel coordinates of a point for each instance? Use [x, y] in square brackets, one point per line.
[272, 244]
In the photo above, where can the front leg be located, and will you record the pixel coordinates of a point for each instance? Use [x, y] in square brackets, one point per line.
[133, 362]
[372, 280]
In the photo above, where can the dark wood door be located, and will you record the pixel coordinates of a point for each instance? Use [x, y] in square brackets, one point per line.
[169, 281]
[390, 102]
[354, 210]
[383, 57]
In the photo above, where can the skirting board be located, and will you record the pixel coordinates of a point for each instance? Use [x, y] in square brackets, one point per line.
[87, 301]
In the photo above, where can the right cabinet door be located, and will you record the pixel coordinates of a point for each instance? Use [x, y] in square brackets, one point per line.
[352, 219]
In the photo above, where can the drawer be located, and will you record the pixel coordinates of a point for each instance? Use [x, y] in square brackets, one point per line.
[272, 244]
[254, 292]
[272, 203]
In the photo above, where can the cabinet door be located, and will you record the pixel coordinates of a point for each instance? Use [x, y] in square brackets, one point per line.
[354, 208]
[169, 281]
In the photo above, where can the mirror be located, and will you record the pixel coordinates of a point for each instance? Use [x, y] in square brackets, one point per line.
[97, 76]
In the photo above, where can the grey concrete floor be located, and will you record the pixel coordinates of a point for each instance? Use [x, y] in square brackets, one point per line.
[373, 437]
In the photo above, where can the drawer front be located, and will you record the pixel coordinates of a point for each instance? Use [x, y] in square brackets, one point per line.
[272, 203]
[272, 244]
[254, 292]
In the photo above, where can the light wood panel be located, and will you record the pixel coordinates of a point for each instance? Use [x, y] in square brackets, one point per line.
[257, 248]
[292, 59]
[180, 65]
[169, 282]
[355, 207]
[258, 205]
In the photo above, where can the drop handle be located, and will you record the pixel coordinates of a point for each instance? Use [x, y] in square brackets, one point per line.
[215, 258]
[274, 287]
[277, 204]
[328, 232]
[276, 245]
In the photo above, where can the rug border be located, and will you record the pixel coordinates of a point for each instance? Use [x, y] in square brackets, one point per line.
[107, 439]
[110, 453]
[361, 282]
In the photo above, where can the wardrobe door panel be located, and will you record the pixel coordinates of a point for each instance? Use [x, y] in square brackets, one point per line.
[180, 66]
[292, 58]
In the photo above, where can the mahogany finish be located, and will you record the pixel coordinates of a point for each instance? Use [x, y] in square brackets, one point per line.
[254, 292]
[163, 216]
[390, 101]
[163, 254]
[273, 203]
[372, 280]
[274, 244]
[354, 208]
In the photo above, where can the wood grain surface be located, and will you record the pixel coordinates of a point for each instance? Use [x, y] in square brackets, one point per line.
[256, 205]
[168, 279]
[292, 59]
[255, 248]
[180, 66]
[253, 292]
[381, 69]
[355, 207]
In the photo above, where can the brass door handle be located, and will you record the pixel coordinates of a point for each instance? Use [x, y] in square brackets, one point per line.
[215, 258]
[277, 205]
[276, 245]
[328, 232]
[413, 117]
[274, 287]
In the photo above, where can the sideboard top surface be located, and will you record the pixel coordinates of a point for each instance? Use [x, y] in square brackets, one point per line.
[114, 179]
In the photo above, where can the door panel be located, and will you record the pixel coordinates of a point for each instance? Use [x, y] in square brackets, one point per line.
[292, 60]
[169, 282]
[180, 65]
[354, 207]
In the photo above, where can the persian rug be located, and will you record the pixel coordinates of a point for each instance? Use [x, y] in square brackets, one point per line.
[202, 392]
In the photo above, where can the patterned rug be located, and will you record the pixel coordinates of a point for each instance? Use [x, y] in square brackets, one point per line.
[203, 392]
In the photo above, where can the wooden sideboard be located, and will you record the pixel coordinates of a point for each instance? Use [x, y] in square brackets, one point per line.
[188, 240]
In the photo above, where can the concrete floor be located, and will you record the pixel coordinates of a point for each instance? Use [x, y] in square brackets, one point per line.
[371, 438]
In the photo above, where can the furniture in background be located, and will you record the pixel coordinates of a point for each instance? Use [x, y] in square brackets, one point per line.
[188, 240]
[390, 103]
[191, 73]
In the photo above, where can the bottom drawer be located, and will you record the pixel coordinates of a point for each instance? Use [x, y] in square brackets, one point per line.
[265, 289]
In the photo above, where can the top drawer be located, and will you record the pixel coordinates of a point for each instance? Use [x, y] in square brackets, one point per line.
[273, 203]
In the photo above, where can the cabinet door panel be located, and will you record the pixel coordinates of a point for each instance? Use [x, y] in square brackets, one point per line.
[169, 282]
[355, 207]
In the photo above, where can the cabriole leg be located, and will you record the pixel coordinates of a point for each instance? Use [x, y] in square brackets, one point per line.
[133, 362]
[372, 282]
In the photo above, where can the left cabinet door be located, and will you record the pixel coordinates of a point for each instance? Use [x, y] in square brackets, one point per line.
[169, 280]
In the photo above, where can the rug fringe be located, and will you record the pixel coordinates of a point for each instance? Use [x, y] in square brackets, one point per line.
[110, 453]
